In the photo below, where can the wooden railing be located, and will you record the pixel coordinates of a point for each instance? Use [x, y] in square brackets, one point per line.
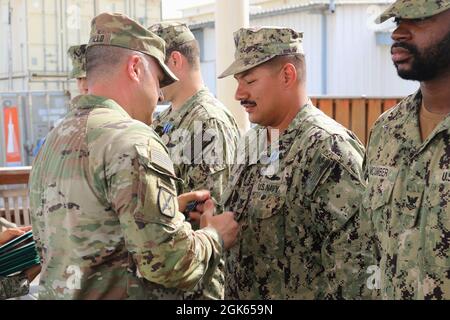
[14, 175]
[14, 204]
[356, 114]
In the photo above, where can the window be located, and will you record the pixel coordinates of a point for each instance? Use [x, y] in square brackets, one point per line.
[198, 34]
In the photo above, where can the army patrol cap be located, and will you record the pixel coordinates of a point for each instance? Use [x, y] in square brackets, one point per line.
[78, 56]
[114, 29]
[173, 33]
[414, 9]
[255, 46]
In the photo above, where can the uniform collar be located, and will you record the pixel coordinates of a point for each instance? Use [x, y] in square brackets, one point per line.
[406, 123]
[175, 117]
[191, 101]
[93, 102]
[282, 145]
[444, 125]
[305, 112]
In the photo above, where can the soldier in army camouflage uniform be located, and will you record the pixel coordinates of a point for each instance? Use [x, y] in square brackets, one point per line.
[78, 56]
[201, 117]
[102, 190]
[296, 209]
[18, 285]
[191, 103]
[408, 159]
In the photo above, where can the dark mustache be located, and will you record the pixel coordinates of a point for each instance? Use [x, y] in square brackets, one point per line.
[411, 48]
[248, 102]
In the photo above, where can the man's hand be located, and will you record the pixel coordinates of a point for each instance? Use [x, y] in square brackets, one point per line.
[12, 233]
[32, 272]
[224, 223]
[194, 196]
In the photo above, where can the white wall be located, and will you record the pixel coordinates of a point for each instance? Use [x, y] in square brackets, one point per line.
[208, 64]
[310, 24]
[18, 45]
[356, 65]
[43, 30]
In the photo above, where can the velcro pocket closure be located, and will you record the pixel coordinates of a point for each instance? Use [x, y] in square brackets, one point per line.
[406, 217]
[381, 184]
[319, 169]
[266, 219]
[267, 198]
[271, 206]
[382, 194]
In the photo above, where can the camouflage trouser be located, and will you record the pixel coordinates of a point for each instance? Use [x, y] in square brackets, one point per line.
[11, 287]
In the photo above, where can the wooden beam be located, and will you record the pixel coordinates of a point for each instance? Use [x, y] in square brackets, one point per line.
[389, 103]
[326, 105]
[373, 112]
[343, 112]
[14, 175]
[359, 123]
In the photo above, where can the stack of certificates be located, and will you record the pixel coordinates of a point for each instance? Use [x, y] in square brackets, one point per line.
[18, 254]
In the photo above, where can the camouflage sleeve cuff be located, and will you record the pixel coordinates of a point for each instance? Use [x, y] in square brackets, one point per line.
[15, 286]
[216, 252]
[216, 236]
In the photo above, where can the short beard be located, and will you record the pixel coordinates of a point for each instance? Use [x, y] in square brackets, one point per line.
[429, 64]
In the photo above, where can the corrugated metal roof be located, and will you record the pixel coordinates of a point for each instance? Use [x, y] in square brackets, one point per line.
[270, 12]
[319, 4]
[290, 9]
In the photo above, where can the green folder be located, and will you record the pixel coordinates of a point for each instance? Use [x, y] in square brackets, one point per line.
[18, 254]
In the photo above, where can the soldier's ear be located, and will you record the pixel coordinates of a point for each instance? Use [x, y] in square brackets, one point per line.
[134, 67]
[176, 59]
[289, 75]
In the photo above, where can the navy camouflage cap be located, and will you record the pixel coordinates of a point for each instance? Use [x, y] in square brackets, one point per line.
[173, 33]
[78, 56]
[414, 9]
[114, 29]
[255, 46]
